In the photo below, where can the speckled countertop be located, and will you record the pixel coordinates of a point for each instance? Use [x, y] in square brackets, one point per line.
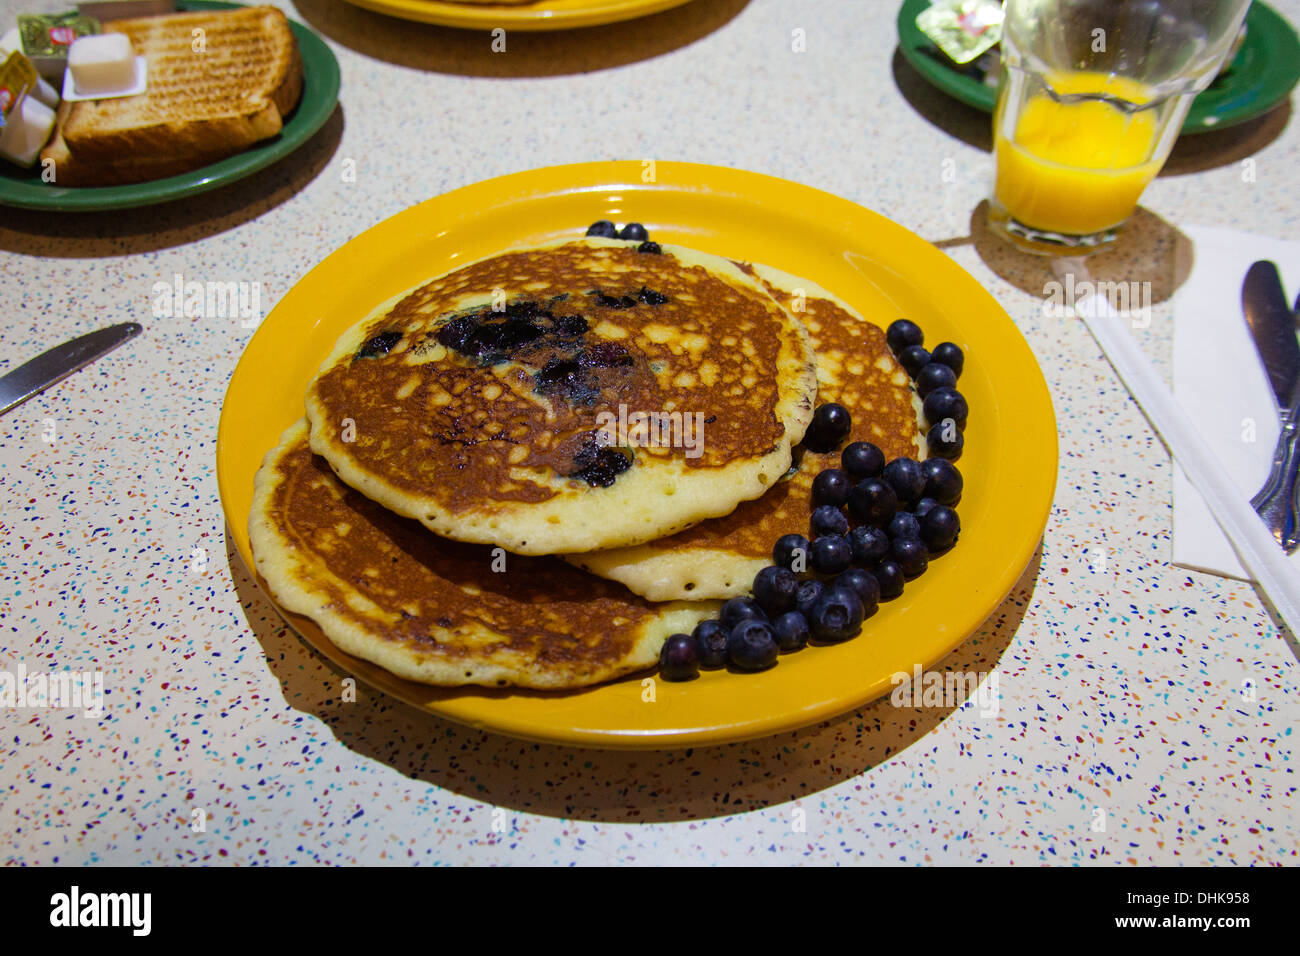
[1121, 691]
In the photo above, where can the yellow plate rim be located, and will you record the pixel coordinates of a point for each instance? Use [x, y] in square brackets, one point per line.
[1011, 437]
[552, 15]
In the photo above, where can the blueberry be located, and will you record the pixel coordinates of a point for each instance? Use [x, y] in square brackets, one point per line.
[599, 467]
[834, 417]
[914, 358]
[774, 589]
[831, 487]
[861, 459]
[869, 545]
[604, 355]
[944, 442]
[910, 553]
[809, 593]
[818, 440]
[830, 554]
[934, 376]
[791, 551]
[949, 354]
[711, 643]
[942, 481]
[634, 232]
[905, 477]
[944, 403]
[751, 645]
[653, 248]
[740, 609]
[923, 506]
[791, 631]
[828, 519]
[604, 228]
[890, 578]
[570, 326]
[382, 344]
[837, 615]
[873, 501]
[679, 658]
[940, 528]
[458, 334]
[831, 424]
[863, 584]
[901, 334]
[904, 525]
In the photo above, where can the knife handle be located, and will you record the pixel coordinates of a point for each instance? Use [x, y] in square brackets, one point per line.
[1276, 502]
[1291, 541]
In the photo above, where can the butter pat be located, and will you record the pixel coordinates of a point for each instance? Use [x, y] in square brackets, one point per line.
[45, 93]
[27, 128]
[102, 65]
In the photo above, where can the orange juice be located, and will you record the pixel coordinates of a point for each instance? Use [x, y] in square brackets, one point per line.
[1077, 168]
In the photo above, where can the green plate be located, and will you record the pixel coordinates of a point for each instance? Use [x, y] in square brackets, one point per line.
[1262, 74]
[320, 91]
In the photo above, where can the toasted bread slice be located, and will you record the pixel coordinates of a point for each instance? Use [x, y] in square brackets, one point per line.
[218, 82]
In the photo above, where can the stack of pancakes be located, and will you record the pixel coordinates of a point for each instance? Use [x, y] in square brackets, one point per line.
[536, 468]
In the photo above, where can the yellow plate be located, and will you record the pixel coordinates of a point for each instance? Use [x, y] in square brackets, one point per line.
[540, 15]
[1009, 463]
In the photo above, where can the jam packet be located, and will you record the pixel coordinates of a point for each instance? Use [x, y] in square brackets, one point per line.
[47, 37]
[962, 29]
[25, 122]
[17, 76]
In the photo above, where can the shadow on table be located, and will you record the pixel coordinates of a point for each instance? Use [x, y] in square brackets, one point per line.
[1194, 154]
[146, 228]
[1148, 250]
[1191, 154]
[436, 49]
[973, 127]
[617, 786]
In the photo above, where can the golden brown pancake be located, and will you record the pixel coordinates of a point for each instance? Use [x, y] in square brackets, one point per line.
[478, 402]
[384, 589]
[719, 558]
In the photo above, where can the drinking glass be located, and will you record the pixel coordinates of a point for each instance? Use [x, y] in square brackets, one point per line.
[1092, 95]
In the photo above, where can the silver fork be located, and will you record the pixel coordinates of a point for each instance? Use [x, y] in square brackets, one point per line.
[1291, 540]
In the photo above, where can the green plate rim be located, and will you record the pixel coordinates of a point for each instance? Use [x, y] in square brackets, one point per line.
[1263, 73]
[320, 91]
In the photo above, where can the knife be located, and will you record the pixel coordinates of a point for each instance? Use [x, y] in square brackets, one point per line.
[58, 363]
[1272, 326]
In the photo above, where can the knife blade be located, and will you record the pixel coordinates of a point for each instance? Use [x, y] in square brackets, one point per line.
[1272, 326]
[56, 364]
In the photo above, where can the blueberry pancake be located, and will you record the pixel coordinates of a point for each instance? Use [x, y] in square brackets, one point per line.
[719, 558]
[439, 611]
[588, 394]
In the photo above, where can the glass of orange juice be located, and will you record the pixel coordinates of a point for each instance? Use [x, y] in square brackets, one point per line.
[1091, 98]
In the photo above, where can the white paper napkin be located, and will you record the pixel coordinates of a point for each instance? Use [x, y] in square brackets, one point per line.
[1219, 380]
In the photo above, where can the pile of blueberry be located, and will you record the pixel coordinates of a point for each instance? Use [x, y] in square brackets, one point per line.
[632, 232]
[875, 525]
[935, 376]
